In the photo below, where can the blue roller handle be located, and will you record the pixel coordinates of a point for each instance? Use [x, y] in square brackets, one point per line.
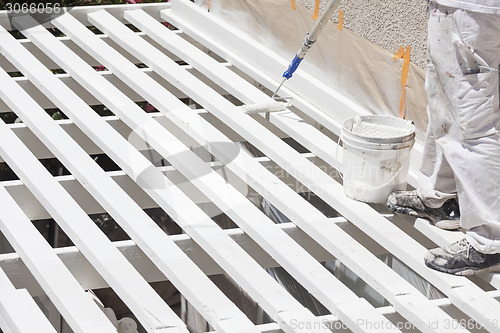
[293, 67]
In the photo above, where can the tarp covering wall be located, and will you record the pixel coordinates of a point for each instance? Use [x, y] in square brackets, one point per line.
[350, 64]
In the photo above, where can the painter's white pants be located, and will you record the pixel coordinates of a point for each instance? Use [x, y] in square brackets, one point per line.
[462, 148]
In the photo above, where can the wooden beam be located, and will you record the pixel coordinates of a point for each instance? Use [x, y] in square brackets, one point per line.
[235, 261]
[362, 215]
[80, 12]
[413, 305]
[149, 308]
[85, 234]
[389, 312]
[61, 287]
[44, 102]
[144, 231]
[230, 201]
[18, 311]
[41, 152]
[49, 63]
[35, 211]
[221, 108]
[88, 277]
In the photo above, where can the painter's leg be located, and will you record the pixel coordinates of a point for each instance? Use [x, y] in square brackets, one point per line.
[472, 144]
[436, 180]
[436, 192]
[474, 154]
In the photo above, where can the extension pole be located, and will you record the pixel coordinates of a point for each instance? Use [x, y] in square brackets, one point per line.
[309, 40]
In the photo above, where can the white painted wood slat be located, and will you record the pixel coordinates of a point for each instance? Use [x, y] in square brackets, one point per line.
[238, 208]
[80, 12]
[81, 313]
[126, 212]
[8, 67]
[88, 98]
[88, 278]
[155, 315]
[19, 312]
[41, 152]
[135, 292]
[35, 210]
[362, 215]
[387, 311]
[281, 305]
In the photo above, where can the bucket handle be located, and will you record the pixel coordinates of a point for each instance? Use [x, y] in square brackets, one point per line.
[380, 186]
[337, 158]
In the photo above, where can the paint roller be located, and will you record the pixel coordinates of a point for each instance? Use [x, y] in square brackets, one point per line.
[280, 104]
[271, 106]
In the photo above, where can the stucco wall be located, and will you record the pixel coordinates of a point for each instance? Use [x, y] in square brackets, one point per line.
[388, 23]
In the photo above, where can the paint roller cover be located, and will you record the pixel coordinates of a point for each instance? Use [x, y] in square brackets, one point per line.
[272, 106]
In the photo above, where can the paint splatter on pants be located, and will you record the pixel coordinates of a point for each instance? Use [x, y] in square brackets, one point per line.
[462, 148]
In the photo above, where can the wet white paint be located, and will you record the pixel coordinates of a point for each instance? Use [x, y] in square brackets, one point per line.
[379, 131]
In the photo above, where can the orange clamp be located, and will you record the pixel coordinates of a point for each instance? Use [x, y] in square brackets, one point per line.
[293, 5]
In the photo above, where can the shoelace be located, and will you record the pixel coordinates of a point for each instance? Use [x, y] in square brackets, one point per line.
[460, 246]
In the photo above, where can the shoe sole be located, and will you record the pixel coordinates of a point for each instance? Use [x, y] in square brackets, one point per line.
[466, 271]
[448, 224]
[471, 271]
[442, 224]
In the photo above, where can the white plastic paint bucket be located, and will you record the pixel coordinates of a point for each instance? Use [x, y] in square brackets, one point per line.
[376, 156]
